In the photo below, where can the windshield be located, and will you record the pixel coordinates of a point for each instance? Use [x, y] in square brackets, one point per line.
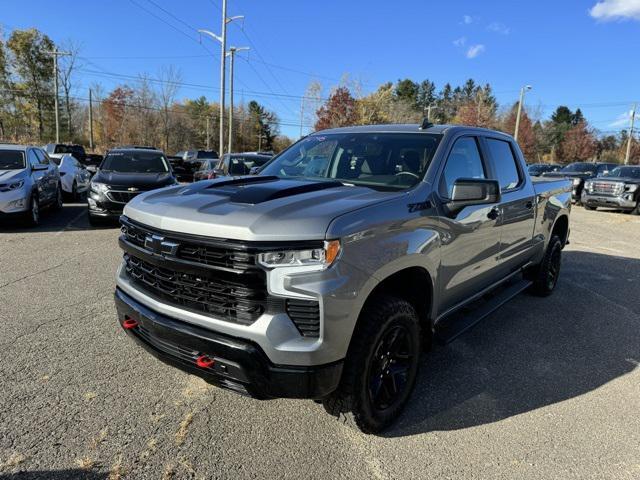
[135, 162]
[625, 172]
[11, 160]
[395, 161]
[580, 167]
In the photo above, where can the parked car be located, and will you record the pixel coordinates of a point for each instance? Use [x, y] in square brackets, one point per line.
[89, 160]
[74, 176]
[191, 155]
[28, 182]
[537, 169]
[325, 275]
[207, 171]
[124, 173]
[619, 189]
[236, 164]
[578, 172]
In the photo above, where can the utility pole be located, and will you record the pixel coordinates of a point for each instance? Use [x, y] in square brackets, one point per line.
[223, 43]
[208, 135]
[630, 139]
[522, 90]
[90, 120]
[259, 141]
[301, 114]
[232, 55]
[56, 53]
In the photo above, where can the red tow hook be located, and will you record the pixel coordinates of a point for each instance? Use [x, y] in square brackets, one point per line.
[129, 323]
[205, 362]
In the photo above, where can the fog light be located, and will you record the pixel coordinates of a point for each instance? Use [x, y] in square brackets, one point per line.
[20, 203]
[92, 202]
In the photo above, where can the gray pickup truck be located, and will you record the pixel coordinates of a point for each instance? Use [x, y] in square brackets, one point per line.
[326, 275]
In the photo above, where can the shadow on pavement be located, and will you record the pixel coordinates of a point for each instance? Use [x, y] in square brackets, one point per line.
[534, 352]
[74, 473]
[73, 216]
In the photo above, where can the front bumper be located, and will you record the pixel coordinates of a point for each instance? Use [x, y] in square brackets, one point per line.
[625, 201]
[14, 201]
[240, 365]
[100, 206]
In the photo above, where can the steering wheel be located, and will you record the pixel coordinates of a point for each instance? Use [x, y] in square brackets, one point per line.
[408, 173]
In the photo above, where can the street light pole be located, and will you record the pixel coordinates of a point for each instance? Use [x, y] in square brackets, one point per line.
[55, 52]
[522, 90]
[630, 139]
[232, 54]
[223, 50]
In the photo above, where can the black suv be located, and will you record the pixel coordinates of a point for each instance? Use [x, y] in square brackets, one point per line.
[123, 174]
[578, 172]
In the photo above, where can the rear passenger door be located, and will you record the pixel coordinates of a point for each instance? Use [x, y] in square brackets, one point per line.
[517, 207]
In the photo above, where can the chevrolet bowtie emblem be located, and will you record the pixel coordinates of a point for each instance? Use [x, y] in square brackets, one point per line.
[158, 245]
[132, 189]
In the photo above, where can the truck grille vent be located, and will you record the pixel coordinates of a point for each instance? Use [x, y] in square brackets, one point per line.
[211, 255]
[607, 188]
[305, 314]
[121, 197]
[227, 296]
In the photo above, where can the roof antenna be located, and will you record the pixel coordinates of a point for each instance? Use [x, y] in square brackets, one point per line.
[425, 124]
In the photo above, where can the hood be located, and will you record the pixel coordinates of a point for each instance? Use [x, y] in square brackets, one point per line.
[617, 180]
[7, 176]
[253, 208]
[143, 181]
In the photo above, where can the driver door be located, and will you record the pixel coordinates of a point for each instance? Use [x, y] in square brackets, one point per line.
[470, 238]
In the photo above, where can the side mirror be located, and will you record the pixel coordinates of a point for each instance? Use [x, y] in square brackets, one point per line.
[39, 166]
[473, 191]
[254, 170]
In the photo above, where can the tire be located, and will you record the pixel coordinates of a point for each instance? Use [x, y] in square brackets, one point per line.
[587, 207]
[74, 192]
[57, 203]
[545, 276]
[636, 211]
[365, 398]
[32, 216]
[93, 221]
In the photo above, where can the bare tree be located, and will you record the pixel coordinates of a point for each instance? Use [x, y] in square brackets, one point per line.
[170, 79]
[66, 69]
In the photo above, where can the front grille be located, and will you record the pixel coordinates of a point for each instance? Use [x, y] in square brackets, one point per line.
[606, 188]
[120, 196]
[239, 298]
[211, 255]
[305, 314]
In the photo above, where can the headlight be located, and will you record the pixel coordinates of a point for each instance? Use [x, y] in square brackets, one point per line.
[12, 186]
[324, 256]
[588, 186]
[99, 187]
[631, 188]
[576, 181]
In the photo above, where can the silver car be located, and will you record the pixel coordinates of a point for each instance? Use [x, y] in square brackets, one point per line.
[28, 182]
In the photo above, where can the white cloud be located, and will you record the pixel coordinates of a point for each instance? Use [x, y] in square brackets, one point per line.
[467, 19]
[616, 9]
[622, 120]
[475, 50]
[460, 42]
[498, 27]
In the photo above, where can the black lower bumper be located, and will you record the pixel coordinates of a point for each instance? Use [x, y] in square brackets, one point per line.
[239, 365]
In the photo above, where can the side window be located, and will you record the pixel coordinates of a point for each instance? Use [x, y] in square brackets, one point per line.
[32, 158]
[463, 162]
[504, 163]
[42, 158]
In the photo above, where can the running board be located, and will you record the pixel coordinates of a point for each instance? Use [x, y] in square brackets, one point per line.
[451, 327]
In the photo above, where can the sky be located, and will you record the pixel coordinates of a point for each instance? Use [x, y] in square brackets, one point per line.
[579, 53]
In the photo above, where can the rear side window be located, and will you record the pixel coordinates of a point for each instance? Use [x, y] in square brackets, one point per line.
[504, 163]
[463, 162]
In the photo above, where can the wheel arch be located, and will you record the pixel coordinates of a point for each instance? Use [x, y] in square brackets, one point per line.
[561, 228]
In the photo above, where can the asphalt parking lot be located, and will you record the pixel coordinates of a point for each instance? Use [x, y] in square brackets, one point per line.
[544, 388]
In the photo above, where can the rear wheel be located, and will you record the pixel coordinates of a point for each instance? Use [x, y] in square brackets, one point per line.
[381, 366]
[545, 276]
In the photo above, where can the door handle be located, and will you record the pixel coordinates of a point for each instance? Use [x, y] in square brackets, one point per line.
[493, 213]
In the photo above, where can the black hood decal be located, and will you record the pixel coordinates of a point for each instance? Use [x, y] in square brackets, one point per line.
[255, 189]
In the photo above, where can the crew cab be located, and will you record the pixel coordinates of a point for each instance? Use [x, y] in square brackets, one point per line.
[328, 274]
[579, 172]
[123, 174]
[619, 189]
[29, 181]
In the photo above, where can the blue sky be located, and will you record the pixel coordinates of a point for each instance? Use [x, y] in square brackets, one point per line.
[582, 53]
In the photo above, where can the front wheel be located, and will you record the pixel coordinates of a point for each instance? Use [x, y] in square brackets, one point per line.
[32, 216]
[587, 207]
[381, 366]
[545, 276]
[57, 204]
[636, 211]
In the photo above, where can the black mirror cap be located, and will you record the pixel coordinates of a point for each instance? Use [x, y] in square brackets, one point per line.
[474, 191]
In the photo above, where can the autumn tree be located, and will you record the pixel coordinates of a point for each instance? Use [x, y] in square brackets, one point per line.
[579, 144]
[526, 134]
[338, 111]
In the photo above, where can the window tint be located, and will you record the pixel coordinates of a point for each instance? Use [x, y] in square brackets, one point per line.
[463, 162]
[505, 163]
